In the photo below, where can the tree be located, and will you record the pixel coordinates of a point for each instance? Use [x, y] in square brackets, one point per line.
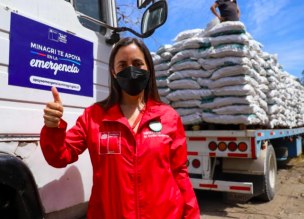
[130, 16]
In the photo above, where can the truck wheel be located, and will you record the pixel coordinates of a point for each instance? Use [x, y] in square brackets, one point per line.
[270, 177]
[7, 202]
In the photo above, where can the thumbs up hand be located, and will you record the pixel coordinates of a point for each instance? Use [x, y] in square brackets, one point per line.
[53, 111]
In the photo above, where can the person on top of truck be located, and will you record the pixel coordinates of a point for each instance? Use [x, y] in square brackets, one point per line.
[136, 143]
[229, 10]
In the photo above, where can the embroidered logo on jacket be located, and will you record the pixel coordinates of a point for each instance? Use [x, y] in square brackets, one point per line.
[151, 134]
[110, 143]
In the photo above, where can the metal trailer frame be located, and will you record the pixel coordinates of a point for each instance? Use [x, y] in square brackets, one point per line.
[250, 164]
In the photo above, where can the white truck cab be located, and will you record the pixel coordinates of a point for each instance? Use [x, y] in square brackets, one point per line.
[62, 43]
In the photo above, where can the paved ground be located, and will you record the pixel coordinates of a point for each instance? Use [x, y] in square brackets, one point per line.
[288, 202]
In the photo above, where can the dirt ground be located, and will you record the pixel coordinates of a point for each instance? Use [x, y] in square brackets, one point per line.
[288, 201]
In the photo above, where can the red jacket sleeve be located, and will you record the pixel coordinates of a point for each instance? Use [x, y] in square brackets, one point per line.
[178, 156]
[61, 148]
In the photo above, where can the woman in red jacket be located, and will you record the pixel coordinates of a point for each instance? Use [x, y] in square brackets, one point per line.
[136, 143]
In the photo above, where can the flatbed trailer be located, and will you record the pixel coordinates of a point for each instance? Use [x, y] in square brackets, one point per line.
[240, 161]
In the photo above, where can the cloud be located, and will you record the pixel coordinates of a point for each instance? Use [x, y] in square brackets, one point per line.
[185, 13]
[290, 55]
[259, 13]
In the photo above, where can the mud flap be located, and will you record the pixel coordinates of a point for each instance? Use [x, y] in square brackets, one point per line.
[230, 197]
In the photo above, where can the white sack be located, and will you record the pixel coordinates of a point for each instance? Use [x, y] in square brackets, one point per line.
[192, 119]
[162, 66]
[229, 50]
[238, 90]
[260, 79]
[263, 104]
[222, 62]
[231, 119]
[273, 123]
[186, 112]
[239, 109]
[157, 59]
[273, 79]
[160, 74]
[261, 94]
[230, 81]
[230, 71]
[190, 53]
[184, 84]
[227, 28]
[273, 86]
[196, 42]
[165, 100]
[215, 21]
[162, 82]
[190, 95]
[185, 64]
[163, 91]
[256, 65]
[273, 93]
[192, 43]
[185, 103]
[229, 39]
[255, 45]
[272, 109]
[275, 100]
[187, 34]
[166, 56]
[260, 61]
[153, 54]
[204, 82]
[264, 88]
[226, 101]
[163, 48]
[200, 73]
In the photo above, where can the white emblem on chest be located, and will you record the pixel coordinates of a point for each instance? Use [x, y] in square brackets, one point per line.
[110, 142]
[150, 134]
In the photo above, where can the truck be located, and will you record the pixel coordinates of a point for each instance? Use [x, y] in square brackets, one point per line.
[41, 39]
[240, 161]
[62, 43]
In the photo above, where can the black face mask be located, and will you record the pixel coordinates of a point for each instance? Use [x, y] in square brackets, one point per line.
[133, 80]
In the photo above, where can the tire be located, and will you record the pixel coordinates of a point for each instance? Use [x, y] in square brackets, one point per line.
[7, 202]
[270, 177]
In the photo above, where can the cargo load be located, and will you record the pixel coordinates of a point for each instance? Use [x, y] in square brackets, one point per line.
[221, 75]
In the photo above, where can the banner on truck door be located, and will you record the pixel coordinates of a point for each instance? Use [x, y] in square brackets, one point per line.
[42, 56]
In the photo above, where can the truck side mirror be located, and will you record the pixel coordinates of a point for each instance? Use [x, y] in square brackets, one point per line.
[142, 3]
[154, 17]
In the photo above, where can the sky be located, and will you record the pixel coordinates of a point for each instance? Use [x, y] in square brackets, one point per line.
[277, 24]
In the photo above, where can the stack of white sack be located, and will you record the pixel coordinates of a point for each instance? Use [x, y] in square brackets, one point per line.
[221, 75]
[162, 64]
[186, 93]
[237, 82]
[285, 95]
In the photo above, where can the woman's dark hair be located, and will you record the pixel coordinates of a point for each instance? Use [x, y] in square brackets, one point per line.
[151, 91]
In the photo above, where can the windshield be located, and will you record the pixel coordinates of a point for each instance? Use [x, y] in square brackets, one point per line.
[95, 9]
